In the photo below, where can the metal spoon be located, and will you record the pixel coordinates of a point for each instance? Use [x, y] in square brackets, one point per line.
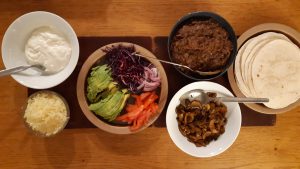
[180, 65]
[203, 97]
[19, 69]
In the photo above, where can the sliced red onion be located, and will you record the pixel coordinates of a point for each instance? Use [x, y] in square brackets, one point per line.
[151, 84]
[153, 74]
[146, 73]
[141, 86]
[151, 79]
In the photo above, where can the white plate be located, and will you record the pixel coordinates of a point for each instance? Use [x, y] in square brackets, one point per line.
[232, 128]
[13, 48]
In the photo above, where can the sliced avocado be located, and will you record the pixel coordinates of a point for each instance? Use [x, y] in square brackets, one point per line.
[120, 107]
[98, 70]
[124, 90]
[99, 74]
[100, 104]
[105, 110]
[99, 80]
[95, 85]
[106, 98]
[95, 95]
[114, 111]
[111, 88]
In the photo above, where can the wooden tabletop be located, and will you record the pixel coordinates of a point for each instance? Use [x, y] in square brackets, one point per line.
[256, 147]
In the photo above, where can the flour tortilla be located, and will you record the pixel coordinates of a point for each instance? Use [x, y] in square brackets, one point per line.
[268, 66]
[276, 73]
[238, 70]
[244, 57]
[249, 63]
[252, 46]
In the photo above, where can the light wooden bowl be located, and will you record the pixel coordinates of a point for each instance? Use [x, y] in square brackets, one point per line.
[292, 34]
[81, 89]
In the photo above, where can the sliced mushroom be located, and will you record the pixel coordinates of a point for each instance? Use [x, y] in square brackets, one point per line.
[195, 104]
[212, 124]
[189, 117]
[180, 116]
[201, 123]
[211, 94]
[206, 135]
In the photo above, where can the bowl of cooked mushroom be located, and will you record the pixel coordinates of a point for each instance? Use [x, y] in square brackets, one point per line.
[203, 129]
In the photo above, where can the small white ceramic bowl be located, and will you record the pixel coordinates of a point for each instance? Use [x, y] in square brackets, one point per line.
[232, 128]
[13, 48]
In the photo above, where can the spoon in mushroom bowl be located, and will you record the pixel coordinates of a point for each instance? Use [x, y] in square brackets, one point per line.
[206, 97]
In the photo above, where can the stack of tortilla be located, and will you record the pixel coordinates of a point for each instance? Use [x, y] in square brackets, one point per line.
[268, 66]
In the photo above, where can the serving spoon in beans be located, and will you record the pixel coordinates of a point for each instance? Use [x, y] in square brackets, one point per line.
[180, 65]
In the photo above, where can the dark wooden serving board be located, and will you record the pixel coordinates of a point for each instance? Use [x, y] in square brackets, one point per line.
[158, 45]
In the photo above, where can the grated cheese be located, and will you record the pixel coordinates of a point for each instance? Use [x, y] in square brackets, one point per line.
[46, 113]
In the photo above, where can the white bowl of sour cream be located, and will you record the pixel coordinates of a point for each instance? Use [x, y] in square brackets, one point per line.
[40, 38]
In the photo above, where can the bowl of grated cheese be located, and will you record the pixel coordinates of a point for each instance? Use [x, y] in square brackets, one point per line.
[46, 113]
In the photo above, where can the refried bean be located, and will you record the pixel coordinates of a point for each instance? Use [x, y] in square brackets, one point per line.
[201, 45]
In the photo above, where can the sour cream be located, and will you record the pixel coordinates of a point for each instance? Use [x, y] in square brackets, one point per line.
[49, 48]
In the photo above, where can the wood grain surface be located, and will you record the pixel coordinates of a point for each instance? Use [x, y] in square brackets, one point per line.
[256, 147]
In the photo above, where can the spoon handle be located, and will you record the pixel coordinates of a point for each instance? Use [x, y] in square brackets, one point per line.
[164, 61]
[13, 70]
[243, 99]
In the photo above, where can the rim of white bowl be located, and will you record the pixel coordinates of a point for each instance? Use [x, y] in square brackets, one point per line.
[75, 51]
[192, 153]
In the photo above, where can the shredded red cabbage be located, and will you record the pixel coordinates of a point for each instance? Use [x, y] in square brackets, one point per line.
[127, 68]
